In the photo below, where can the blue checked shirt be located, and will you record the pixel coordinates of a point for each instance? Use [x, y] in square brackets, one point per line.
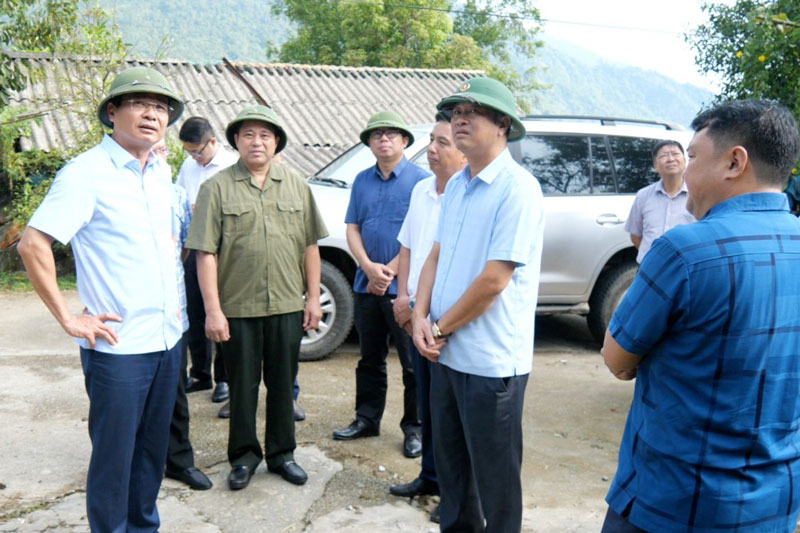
[711, 443]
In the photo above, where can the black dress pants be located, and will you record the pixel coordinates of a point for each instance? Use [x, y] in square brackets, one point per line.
[180, 454]
[374, 320]
[201, 349]
[262, 348]
[477, 442]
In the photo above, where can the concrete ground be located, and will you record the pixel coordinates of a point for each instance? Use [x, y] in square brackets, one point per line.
[574, 416]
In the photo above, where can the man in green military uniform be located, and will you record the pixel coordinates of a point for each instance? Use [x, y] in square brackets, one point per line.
[255, 230]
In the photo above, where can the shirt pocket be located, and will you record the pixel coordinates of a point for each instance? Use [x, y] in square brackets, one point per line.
[238, 218]
[290, 217]
[395, 208]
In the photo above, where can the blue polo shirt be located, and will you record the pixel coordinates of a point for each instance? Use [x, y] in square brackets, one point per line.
[119, 222]
[379, 206]
[712, 443]
[497, 215]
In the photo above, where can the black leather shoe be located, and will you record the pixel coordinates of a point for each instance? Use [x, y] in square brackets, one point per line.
[225, 410]
[291, 472]
[415, 488]
[192, 477]
[412, 445]
[356, 430]
[197, 385]
[299, 414]
[239, 477]
[221, 393]
[435, 518]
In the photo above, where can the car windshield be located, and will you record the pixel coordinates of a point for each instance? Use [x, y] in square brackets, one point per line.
[328, 170]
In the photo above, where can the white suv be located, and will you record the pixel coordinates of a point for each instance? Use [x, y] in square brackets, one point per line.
[589, 168]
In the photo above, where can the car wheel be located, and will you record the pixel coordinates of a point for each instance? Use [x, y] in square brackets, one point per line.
[336, 299]
[607, 294]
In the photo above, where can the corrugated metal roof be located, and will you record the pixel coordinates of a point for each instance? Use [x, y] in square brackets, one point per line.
[323, 108]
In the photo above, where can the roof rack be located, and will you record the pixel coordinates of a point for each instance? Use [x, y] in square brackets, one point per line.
[606, 121]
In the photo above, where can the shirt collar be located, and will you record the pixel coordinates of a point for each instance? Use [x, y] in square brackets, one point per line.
[218, 158]
[488, 174]
[756, 201]
[660, 187]
[431, 190]
[396, 171]
[123, 158]
[241, 172]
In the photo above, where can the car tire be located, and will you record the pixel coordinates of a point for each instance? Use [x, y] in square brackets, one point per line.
[336, 299]
[607, 294]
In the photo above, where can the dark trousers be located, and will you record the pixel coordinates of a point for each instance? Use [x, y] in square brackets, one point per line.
[268, 347]
[201, 349]
[422, 373]
[180, 454]
[614, 523]
[477, 441]
[374, 320]
[131, 399]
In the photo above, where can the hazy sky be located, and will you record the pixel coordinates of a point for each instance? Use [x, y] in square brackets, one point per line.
[654, 41]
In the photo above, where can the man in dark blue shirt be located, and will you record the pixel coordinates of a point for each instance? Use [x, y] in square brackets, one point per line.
[378, 204]
[710, 329]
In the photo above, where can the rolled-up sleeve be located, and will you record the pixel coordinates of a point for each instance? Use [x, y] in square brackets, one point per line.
[517, 223]
[67, 207]
[205, 231]
[658, 297]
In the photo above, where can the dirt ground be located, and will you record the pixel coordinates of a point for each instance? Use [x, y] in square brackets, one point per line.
[573, 419]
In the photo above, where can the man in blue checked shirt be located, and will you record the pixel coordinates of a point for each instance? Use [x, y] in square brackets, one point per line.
[710, 329]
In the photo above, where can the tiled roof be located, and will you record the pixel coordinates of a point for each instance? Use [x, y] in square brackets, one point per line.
[323, 108]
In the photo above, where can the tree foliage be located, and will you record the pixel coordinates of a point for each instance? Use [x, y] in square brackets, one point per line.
[479, 34]
[754, 47]
[59, 27]
[33, 26]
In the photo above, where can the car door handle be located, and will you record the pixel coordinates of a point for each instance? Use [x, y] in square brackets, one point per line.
[609, 220]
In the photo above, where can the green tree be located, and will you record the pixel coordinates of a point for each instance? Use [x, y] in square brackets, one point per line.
[71, 28]
[503, 29]
[479, 35]
[32, 26]
[753, 46]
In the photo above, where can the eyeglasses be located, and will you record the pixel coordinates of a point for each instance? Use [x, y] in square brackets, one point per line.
[198, 153]
[140, 106]
[669, 155]
[391, 134]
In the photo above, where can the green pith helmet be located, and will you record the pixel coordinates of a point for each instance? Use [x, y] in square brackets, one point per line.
[140, 80]
[256, 112]
[385, 119]
[487, 92]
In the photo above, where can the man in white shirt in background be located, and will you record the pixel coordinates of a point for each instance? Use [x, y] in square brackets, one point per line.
[206, 157]
[416, 239]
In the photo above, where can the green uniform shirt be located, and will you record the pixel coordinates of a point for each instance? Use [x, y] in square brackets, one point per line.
[259, 238]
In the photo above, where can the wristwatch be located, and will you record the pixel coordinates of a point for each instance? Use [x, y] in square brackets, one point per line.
[437, 332]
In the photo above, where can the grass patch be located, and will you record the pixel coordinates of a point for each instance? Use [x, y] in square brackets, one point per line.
[18, 282]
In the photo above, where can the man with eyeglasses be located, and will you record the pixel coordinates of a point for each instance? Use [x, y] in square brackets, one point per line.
[206, 157]
[113, 204]
[661, 205]
[378, 204]
[480, 284]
